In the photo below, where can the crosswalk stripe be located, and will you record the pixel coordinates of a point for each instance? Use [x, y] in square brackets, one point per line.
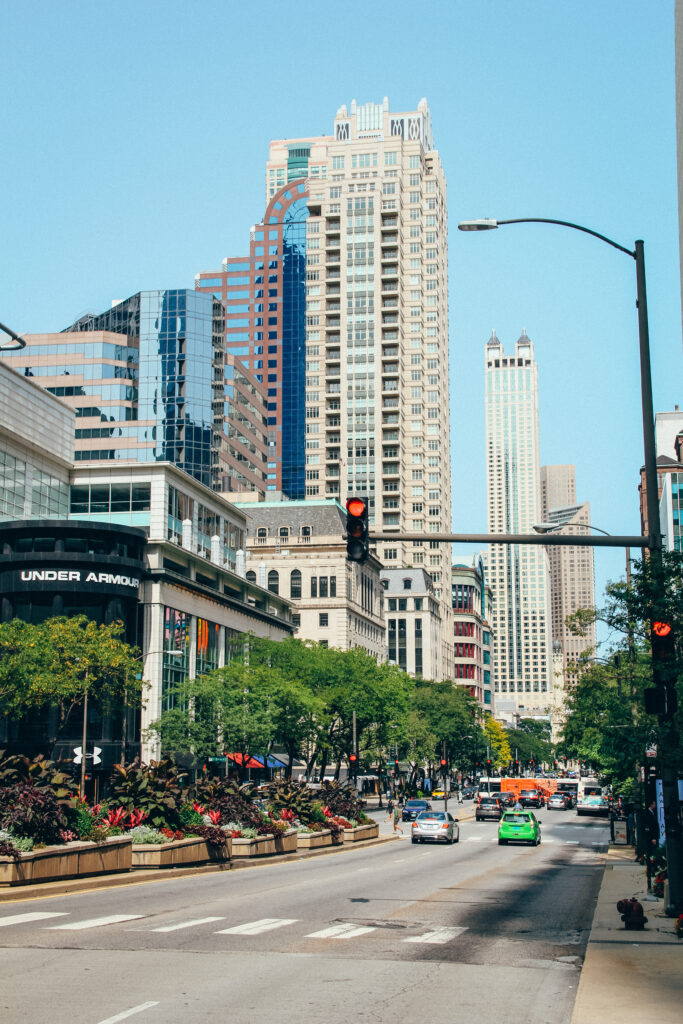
[438, 936]
[474, 839]
[571, 842]
[26, 918]
[341, 931]
[187, 924]
[266, 924]
[93, 922]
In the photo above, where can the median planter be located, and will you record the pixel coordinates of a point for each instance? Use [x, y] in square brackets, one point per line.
[313, 840]
[263, 846]
[360, 832]
[73, 860]
[181, 853]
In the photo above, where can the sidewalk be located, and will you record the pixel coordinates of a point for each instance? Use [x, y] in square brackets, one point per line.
[629, 976]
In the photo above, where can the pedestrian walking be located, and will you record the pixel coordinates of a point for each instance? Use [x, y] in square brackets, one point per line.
[459, 794]
[397, 813]
[390, 810]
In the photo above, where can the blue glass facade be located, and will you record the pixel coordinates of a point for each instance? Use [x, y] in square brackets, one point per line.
[177, 331]
[294, 349]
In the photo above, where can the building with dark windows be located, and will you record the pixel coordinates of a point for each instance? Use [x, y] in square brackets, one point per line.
[145, 379]
[413, 622]
[140, 542]
[472, 632]
[297, 549]
[265, 327]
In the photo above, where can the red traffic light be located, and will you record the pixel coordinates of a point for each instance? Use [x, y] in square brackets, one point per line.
[661, 628]
[443, 762]
[355, 506]
[353, 757]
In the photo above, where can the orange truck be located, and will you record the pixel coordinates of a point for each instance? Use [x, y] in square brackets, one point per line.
[546, 786]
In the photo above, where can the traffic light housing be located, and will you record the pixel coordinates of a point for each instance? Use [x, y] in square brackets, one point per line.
[357, 531]
[663, 641]
[353, 764]
[444, 764]
[396, 764]
[516, 767]
[488, 767]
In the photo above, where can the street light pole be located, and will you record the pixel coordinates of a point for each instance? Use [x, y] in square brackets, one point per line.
[668, 739]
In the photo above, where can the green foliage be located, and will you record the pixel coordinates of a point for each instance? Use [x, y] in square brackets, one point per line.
[148, 836]
[188, 816]
[341, 800]
[53, 663]
[32, 812]
[531, 740]
[21, 843]
[41, 773]
[154, 788]
[290, 796]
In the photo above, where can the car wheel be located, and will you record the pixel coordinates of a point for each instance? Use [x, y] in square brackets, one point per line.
[413, 841]
[457, 838]
[502, 842]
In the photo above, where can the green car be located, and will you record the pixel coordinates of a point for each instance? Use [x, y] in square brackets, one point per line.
[519, 827]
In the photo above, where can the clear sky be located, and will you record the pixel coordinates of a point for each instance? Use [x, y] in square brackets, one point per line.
[134, 135]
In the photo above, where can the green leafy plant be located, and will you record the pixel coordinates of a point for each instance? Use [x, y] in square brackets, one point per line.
[154, 788]
[21, 843]
[32, 812]
[148, 836]
[41, 773]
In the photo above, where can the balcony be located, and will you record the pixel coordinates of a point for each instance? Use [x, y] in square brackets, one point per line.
[390, 318]
[389, 254]
[388, 239]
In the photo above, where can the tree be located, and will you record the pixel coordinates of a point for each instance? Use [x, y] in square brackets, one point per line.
[54, 664]
[499, 748]
[530, 740]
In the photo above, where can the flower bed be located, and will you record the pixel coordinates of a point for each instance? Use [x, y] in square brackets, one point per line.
[313, 840]
[73, 860]
[360, 832]
[181, 853]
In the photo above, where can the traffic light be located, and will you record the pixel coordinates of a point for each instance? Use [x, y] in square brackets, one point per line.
[396, 764]
[443, 764]
[357, 536]
[353, 764]
[663, 641]
[516, 767]
[488, 767]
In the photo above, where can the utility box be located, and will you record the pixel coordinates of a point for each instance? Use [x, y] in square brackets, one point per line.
[620, 832]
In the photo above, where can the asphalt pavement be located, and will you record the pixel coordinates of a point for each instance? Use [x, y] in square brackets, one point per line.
[478, 931]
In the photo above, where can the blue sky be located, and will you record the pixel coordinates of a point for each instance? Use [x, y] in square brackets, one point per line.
[134, 139]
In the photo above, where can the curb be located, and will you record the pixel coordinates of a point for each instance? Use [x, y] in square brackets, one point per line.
[69, 887]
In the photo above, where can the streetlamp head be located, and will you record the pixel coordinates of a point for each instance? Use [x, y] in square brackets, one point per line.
[544, 527]
[484, 224]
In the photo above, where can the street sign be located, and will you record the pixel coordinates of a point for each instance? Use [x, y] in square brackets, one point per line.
[651, 751]
[220, 760]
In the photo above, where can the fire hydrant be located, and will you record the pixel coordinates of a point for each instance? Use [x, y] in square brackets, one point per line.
[632, 914]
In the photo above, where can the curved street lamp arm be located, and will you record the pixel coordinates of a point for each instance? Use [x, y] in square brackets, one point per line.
[20, 343]
[569, 224]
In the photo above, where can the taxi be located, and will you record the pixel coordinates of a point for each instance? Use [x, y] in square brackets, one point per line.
[519, 827]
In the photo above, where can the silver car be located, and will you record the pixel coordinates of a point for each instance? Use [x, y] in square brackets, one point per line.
[434, 826]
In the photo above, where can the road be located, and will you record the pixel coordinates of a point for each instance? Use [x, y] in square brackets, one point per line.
[452, 934]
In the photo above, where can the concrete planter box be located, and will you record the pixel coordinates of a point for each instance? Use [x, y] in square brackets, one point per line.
[265, 845]
[313, 840]
[354, 835]
[73, 860]
[180, 853]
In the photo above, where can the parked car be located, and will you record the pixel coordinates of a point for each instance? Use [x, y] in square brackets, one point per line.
[506, 799]
[597, 806]
[519, 827]
[488, 809]
[531, 798]
[434, 827]
[559, 802]
[438, 794]
[412, 808]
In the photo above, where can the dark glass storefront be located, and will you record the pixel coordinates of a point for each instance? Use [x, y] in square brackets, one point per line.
[57, 567]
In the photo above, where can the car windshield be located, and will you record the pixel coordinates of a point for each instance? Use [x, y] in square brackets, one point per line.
[416, 803]
[431, 816]
[488, 800]
[517, 819]
[529, 792]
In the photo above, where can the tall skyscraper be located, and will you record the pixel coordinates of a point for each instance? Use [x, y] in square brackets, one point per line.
[377, 410]
[265, 326]
[572, 571]
[518, 574]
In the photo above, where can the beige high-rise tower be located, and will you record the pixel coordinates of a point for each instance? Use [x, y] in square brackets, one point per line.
[377, 409]
[572, 570]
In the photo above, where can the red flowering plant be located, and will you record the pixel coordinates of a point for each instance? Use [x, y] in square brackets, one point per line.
[215, 817]
[135, 818]
[116, 818]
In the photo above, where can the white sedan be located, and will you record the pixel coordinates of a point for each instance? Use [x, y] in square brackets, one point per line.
[434, 827]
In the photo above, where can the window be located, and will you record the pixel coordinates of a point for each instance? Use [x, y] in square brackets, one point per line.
[284, 532]
[407, 584]
[391, 158]
[295, 584]
[274, 581]
[296, 620]
[251, 576]
[323, 619]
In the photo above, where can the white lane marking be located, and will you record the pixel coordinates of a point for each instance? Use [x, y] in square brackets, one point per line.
[399, 860]
[438, 936]
[187, 924]
[93, 922]
[265, 924]
[341, 931]
[571, 842]
[25, 918]
[129, 1013]
[474, 839]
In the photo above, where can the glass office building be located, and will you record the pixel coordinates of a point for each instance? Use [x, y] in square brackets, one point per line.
[145, 379]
